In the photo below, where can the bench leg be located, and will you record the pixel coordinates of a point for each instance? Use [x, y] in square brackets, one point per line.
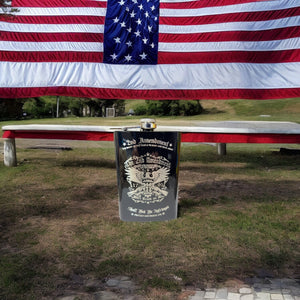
[222, 149]
[10, 155]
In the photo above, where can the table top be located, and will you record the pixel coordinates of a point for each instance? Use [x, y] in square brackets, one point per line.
[255, 127]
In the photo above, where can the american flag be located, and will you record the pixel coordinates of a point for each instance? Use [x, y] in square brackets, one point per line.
[151, 49]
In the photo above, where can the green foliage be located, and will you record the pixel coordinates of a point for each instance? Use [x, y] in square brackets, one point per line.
[39, 107]
[42, 107]
[11, 109]
[169, 108]
[140, 109]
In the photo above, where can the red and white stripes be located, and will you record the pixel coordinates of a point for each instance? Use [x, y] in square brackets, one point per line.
[207, 49]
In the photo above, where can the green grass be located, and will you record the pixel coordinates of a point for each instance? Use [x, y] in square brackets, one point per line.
[59, 216]
[238, 214]
[279, 110]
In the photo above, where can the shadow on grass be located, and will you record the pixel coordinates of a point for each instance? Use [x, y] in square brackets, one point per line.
[89, 163]
[94, 192]
[30, 277]
[126, 265]
[55, 202]
[75, 162]
[236, 191]
[251, 158]
[36, 206]
[19, 275]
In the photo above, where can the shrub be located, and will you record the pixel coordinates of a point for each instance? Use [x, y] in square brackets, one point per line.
[170, 108]
[140, 110]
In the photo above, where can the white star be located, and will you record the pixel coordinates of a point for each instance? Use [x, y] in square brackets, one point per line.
[137, 33]
[128, 57]
[114, 56]
[129, 44]
[155, 19]
[117, 40]
[139, 21]
[141, 6]
[134, 1]
[123, 24]
[152, 45]
[122, 2]
[143, 56]
[150, 28]
[132, 14]
[152, 7]
[146, 14]
[129, 29]
[116, 20]
[127, 8]
[145, 40]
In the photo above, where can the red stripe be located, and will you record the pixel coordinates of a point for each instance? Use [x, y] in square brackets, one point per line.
[229, 57]
[57, 19]
[60, 135]
[55, 56]
[151, 94]
[86, 3]
[51, 37]
[263, 35]
[189, 20]
[231, 17]
[190, 137]
[163, 57]
[240, 138]
[202, 3]
[58, 3]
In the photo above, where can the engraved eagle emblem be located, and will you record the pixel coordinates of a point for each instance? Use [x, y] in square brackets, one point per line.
[148, 181]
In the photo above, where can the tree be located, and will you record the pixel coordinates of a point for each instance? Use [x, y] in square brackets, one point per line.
[11, 109]
[38, 107]
[94, 107]
[170, 108]
[118, 105]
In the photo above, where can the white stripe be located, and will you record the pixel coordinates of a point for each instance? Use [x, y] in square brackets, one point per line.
[178, 76]
[234, 26]
[51, 46]
[19, 27]
[237, 8]
[61, 11]
[277, 45]
[60, 127]
[204, 11]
